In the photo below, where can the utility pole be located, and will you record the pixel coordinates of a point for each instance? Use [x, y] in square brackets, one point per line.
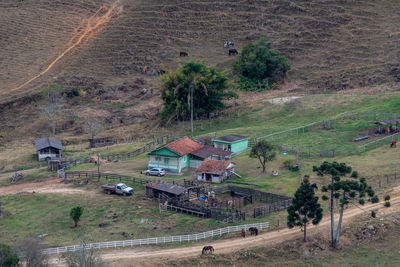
[191, 109]
[98, 166]
[298, 164]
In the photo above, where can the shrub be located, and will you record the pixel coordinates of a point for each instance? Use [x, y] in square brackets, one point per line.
[209, 89]
[259, 66]
[76, 214]
[361, 201]
[387, 198]
[354, 174]
[8, 257]
[387, 204]
[375, 199]
[373, 214]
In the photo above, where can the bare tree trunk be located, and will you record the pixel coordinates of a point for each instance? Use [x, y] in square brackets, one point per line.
[53, 126]
[340, 220]
[305, 232]
[332, 218]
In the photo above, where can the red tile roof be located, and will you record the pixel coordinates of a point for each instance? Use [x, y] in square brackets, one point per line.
[213, 166]
[183, 146]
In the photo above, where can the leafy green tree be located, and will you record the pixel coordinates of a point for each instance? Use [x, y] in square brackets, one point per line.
[76, 214]
[304, 208]
[207, 84]
[8, 258]
[346, 189]
[264, 152]
[259, 66]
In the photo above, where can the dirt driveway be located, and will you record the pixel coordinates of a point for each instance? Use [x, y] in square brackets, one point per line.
[48, 186]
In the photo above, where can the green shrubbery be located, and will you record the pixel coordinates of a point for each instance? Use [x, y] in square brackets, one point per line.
[259, 66]
[209, 89]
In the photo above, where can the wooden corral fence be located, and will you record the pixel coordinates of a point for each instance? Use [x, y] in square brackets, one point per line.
[156, 240]
[276, 206]
[94, 175]
[255, 195]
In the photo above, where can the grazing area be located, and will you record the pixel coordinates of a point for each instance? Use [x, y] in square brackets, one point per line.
[205, 130]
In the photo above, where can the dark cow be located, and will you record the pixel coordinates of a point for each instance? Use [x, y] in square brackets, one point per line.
[253, 231]
[233, 52]
[393, 144]
[161, 71]
[183, 54]
[228, 44]
[314, 186]
[210, 249]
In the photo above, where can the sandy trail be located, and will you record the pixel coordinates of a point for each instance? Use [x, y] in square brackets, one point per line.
[150, 256]
[48, 186]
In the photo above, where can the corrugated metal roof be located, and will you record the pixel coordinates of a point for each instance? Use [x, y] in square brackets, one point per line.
[208, 151]
[170, 188]
[231, 138]
[390, 121]
[47, 142]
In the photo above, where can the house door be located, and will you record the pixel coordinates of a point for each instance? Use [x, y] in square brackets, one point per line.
[208, 177]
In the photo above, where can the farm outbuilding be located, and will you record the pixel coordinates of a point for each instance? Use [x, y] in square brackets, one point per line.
[160, 189]
[214, 171]
[101, 141]
[48, 148]
[232, 142]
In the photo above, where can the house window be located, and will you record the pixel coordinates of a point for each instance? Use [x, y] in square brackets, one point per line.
[166, 160]
[229, 147]
[184, 158]
[158, 159]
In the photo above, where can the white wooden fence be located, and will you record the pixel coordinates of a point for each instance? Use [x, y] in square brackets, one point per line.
[156, 240]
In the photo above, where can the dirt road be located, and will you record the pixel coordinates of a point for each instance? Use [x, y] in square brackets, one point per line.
[150, 258]
[48, 186]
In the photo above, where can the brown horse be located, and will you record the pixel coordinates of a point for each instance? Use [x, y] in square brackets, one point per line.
[387, 130]
[253, 231]
[393, 144]
[210, 250]
[243, 233]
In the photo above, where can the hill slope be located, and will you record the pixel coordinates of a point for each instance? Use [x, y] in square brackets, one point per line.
[331, 44]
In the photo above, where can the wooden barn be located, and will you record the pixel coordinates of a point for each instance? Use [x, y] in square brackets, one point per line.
[101, 141]
[158, 189]
[48, 148]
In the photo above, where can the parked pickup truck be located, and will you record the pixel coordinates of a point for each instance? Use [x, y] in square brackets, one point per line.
[120, 189]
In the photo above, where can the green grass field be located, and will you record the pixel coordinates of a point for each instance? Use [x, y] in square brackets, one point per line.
[36, 214]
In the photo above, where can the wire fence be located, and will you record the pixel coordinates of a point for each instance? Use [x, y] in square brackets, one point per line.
[275, 138]
[156, 240]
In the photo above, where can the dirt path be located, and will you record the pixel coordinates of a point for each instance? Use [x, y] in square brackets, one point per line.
[149, 257]
[48, 186]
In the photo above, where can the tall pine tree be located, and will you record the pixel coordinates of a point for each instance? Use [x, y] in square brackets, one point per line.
[304, 208]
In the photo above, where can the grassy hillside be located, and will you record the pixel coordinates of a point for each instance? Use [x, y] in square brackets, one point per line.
[330, 44]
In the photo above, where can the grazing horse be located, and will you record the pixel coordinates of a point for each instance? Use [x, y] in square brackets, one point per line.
[228, 44]
[210, 249]
[253, 231]
[393, 144]
[314, 186]
[183, 54]
[233, 52]
[387, 130]
[243, 233]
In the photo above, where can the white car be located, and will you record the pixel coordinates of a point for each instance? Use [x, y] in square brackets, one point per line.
[155, 171]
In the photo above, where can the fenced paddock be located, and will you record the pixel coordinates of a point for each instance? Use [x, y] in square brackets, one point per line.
[156, 240]
[278, 138]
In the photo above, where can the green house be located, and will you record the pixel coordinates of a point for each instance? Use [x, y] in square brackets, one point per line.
[233, 143]
[182, 154]
[174, 156]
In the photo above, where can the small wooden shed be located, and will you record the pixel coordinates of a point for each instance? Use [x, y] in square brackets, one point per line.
[101, 141]
[158, 188]
[48, 148]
